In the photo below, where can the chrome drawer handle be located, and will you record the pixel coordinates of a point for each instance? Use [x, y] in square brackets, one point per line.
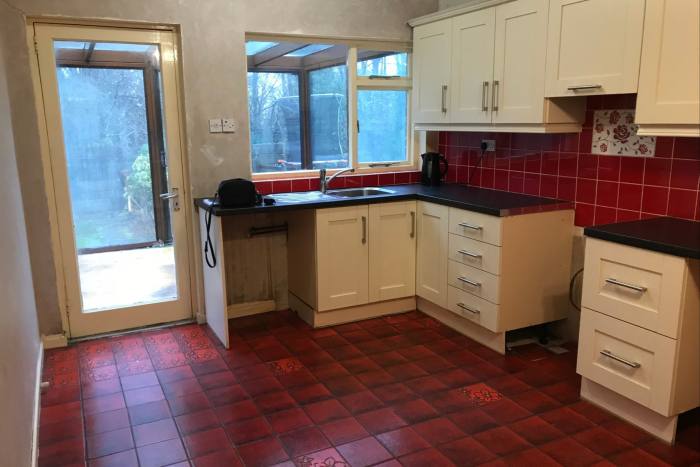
[469, 253]
[630, 364]
[470, 310]
[583, 87]
[444, 99]
[469, 281]
[467, 225]
[636, 288]
[484, 97]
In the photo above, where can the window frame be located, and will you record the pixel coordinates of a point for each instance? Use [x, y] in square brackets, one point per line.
[354, 83]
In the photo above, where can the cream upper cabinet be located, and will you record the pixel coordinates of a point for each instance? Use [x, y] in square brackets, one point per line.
[431, 256]
[342, 256]
[593, 47]
[392, 250]
[472, 66]
[520, 53]
[668, 100]
[431, 72]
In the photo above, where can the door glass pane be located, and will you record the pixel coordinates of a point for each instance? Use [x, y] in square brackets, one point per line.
[275, 124]
[111, 113]
[382, 125]
[328, 117]
[373, 63]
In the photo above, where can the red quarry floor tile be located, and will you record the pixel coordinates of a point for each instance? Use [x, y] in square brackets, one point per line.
[400, 390]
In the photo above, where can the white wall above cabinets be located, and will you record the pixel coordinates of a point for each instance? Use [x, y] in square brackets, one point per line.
[485, 70]
[593, 47]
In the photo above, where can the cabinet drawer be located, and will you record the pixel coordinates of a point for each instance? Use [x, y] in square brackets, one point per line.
[475, 225]
[473, 308]
[474, 281]
[638, 286]
[634, 362]
[477, 254]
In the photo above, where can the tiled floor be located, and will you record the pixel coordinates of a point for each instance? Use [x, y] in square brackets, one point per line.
[402, 390]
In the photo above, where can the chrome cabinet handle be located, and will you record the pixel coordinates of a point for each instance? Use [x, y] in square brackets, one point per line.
[494, 96]
[413, 224]
[467, 225]
[364, 229]
[484, 96]
[583, 87]
[624, 361]
[469, 281]
[444, 98]
[470, 310]
[627, 285]
[469, 253]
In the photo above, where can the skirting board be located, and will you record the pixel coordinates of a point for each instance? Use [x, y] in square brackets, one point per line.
[239, 310]
[492, 340]
[37, 405]
[348, 315]
[638, 415]
[54, 341]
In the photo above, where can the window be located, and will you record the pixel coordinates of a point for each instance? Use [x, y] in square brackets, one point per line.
[300, 99]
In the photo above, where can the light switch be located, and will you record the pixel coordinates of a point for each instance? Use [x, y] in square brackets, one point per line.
[215, 125]
[228, 125]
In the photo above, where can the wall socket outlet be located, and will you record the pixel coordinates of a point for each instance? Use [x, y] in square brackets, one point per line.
[490, 144]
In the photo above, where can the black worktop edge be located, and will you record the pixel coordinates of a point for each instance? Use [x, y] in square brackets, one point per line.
[645, 244]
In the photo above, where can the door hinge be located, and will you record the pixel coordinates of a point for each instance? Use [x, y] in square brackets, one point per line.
[36, 46]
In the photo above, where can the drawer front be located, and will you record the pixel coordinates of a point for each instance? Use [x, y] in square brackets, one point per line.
[476, 225]
[477, 254]
[473, 308]
[641, 287]
[632, 361]
[475, 281]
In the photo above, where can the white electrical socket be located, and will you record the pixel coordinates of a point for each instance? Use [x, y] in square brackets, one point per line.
[228, 125]
[215, 125]
[490, 144]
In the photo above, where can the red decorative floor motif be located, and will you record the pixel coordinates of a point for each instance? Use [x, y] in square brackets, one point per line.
[401, 390]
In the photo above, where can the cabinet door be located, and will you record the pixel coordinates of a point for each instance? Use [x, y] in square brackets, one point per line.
[392, 250]
[593, 46]
[431, 72]
[472, 66]
[342, 248]
[431, 262]
[670, 70]
[519, 67]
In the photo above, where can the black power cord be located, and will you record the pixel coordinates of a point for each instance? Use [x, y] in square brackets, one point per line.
[478, 163]
[571, 289]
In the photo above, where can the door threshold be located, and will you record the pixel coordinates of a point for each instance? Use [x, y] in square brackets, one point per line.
[151, 327]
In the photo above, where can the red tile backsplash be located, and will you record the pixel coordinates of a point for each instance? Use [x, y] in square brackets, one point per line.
[605, 188]
[267, 187]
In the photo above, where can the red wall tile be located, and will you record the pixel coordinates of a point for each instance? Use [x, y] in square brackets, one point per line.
[605, 188]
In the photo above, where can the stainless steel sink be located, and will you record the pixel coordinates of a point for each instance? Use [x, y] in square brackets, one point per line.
[359, 192]
[300, 197]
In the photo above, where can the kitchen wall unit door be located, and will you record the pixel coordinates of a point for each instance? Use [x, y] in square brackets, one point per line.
[431, 72]
[472, 66]
[668, 101]
[342, 238]
[431, 263]
[519, 64]
[593, 47]
[392, 250]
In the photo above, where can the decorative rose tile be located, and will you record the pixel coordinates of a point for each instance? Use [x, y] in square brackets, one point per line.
[326, 458]
[480, 394]
[615, 133]
[285, 366]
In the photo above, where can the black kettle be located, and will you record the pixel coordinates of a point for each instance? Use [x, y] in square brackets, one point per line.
[431, 173]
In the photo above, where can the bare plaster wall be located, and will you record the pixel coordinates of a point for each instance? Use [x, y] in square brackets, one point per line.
[214, 69]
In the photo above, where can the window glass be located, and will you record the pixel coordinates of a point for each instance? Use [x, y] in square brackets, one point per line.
[308, 50]
[371, 63]
[255, 47]
[328, 117]
[275, 124]
[382, 126]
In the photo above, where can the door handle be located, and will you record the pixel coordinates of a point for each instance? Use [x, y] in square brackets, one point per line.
[485, 96]
[413, 224]
[494, 96]
[174, 194]
[364, 230]
[584, 87]
[444, 98]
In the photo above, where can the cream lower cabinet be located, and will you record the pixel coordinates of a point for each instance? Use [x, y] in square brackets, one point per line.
[431, 252]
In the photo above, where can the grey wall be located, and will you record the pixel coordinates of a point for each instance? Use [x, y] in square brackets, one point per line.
[214, 84]
[19, 337]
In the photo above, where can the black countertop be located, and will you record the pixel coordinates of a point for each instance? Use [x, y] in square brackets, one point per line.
[492, 202]
[664, 234]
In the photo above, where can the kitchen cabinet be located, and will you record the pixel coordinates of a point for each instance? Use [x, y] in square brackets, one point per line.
[593, 47]
[668, 100]
[431, 72]
[342, 256]
[431, 252]
[392, 250]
